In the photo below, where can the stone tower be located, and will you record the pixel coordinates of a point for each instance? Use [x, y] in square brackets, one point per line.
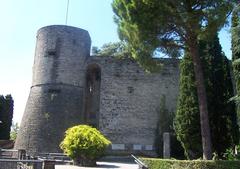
[56, 99]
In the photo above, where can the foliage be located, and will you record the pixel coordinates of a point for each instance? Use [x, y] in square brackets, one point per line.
[84, 143]
[14, 131]
[235, 30]
[117, 49]
[6, 115]
[193, 164]
[149, 26]
[233, 153]
[222, 115]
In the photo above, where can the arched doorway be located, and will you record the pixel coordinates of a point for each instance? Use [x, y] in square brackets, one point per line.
[92, 97]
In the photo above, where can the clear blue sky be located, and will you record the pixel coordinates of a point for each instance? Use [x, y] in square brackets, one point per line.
[22, 18]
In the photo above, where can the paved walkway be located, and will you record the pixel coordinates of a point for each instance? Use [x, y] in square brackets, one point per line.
[102, 165]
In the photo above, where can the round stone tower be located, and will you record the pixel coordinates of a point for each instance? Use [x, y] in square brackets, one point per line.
[56, 100]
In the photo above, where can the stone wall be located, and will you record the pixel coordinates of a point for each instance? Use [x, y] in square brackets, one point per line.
[130, 100]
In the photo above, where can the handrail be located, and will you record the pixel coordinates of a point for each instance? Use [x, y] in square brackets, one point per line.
[139, 162]
[24, 161]
[8, 150]
[52, 154]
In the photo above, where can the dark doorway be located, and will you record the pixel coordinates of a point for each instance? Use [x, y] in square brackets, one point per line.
[92, 99]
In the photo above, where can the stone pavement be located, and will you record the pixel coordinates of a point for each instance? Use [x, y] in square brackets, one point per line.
[109, 162]
[102, 165]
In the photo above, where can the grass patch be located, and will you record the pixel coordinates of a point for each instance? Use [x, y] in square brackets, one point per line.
[190, 164]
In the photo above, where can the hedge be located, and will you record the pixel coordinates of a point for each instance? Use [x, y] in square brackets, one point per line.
[187, 164]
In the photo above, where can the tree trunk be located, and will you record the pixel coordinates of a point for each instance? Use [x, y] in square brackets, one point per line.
[202, 100]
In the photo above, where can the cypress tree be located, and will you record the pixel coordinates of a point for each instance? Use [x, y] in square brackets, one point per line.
[6, 115]
[222, 115]
[187, 119]
[2, 121]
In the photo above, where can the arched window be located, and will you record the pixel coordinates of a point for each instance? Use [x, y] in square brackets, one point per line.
[92, 95]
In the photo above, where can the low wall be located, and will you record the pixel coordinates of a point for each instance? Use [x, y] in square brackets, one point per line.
[8, 144]
[8, 164]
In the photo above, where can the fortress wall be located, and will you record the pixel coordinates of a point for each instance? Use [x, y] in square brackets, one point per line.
[70, 87]
[130, 99]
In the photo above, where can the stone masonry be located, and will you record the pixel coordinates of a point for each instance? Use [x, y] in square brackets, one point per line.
[71, 87]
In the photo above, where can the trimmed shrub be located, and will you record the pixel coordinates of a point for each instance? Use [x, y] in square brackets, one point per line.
[84, 144]
[187, 164]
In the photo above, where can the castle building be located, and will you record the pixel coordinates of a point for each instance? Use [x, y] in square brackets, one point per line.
[70, 87]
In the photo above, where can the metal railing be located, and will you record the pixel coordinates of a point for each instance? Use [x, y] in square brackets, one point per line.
[18, 159]
[8, 153]
[20, 164]
[140, 163]
[59, 158]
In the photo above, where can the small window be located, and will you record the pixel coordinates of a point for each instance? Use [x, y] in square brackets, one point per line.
[51, 53]
[130, 89]
[117, 74]
[54, 91]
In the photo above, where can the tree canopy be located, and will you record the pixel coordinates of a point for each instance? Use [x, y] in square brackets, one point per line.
[149, 26]
[115, 49]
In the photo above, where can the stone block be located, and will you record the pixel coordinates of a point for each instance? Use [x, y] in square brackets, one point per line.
[166, 145]
[118, 147]
[137, 147]
[149, 147]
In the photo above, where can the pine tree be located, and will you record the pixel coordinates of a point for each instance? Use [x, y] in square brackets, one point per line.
[222, 115]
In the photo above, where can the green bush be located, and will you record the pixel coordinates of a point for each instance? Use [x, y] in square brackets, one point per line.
[190, 164]
[84, 144]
